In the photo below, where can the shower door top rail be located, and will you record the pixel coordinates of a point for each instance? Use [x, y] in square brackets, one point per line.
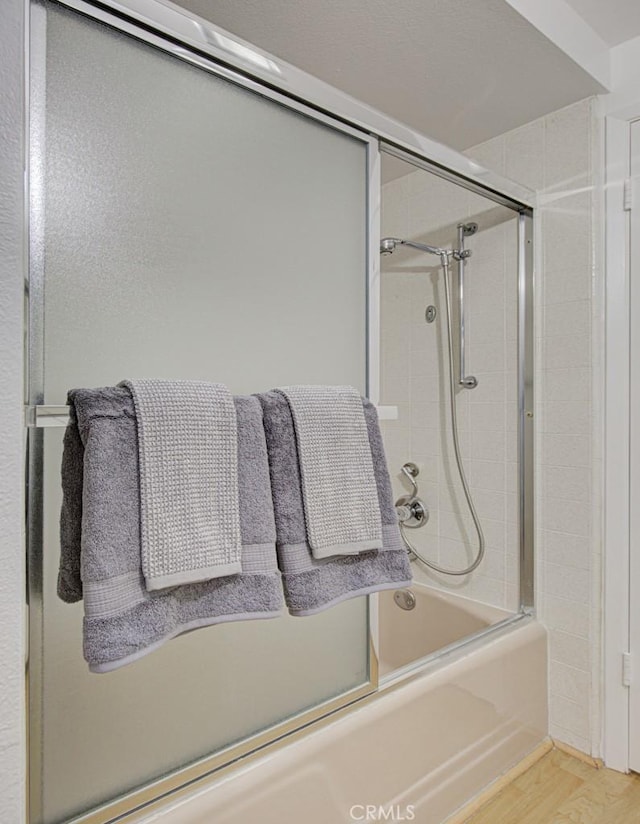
[250, 61]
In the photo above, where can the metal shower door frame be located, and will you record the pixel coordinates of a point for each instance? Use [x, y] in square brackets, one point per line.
[526, 345]
[34, 419]
[174, 31]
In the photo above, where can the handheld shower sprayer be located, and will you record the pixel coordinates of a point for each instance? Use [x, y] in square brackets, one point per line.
[405, 512]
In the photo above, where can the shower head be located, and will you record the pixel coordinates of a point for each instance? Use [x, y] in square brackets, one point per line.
[388, 246]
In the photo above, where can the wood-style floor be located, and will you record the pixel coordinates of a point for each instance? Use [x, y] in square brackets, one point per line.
[559, 789]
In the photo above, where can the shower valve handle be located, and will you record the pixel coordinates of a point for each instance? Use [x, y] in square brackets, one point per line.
[412, 511]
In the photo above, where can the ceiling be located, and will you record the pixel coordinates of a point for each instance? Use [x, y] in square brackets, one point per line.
[614, 20]
[459, 71]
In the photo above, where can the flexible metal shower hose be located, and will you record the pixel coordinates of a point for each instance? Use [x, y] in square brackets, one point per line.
[456, 447]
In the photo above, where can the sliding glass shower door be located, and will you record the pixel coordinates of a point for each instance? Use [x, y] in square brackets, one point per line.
[183, 228]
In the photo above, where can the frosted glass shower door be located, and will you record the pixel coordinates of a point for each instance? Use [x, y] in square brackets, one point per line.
[184, 224]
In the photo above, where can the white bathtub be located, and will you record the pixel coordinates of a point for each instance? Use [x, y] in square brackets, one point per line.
[416, 751]
[437, 620]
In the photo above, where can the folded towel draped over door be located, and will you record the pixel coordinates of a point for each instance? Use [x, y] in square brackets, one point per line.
[101, 552]
[341, 506]
[102, 522]
[311, 584]
[188, 460]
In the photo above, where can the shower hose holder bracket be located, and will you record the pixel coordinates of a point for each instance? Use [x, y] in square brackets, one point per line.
[468, 382]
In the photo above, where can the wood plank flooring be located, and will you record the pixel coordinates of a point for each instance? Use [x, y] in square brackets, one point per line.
[560, 789]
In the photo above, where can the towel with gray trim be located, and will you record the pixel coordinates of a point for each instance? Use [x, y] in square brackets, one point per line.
[188, 459]
[341, 506]
[311, 584]
[100, 536]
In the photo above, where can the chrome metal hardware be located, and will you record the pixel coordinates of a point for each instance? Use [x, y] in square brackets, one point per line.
[411, 549]
[411, 472]
[42, 416]
[45, 416]
[388, 246]
[430, 314]
[404, 598]
[412, 511]
[464, 230]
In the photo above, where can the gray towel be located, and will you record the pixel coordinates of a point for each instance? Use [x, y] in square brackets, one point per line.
[312, 585]
[188, 458]
[100, 536]
[339, 491]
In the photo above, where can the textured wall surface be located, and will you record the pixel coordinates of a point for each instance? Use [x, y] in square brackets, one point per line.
[558, 156]
[12, 757]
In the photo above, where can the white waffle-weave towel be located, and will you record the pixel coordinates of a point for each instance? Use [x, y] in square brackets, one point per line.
[341, 507]
[188, 455]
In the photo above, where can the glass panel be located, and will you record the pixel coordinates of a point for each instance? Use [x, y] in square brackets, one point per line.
[419, 206]
[197, 231]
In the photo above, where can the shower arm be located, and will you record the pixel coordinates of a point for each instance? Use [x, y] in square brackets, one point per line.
[388, 245]
[424, 247]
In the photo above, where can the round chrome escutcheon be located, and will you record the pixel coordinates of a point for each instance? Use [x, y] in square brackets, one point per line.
[404, 598]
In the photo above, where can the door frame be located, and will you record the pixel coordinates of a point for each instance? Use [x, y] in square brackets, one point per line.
[620, 113]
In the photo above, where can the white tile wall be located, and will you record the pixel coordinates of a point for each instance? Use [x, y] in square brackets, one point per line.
[415, 377]
[554, 155]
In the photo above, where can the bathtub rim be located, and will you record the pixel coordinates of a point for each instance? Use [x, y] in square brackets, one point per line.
[446, 655]
[156, 810]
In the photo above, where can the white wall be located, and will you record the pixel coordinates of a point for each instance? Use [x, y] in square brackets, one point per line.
[559, 157]
[12, 723]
